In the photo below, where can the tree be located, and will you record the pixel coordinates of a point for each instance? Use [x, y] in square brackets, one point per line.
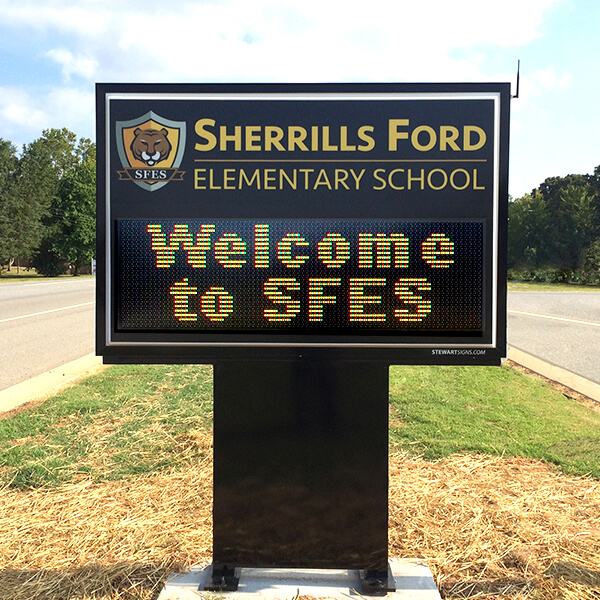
[74, 214]
[591, 263]
[8, 166]
[46, 262]
[577, 225]
[43, 166]
[572, 204]
[555, 226]
[35, 183]
[529, 245]
[46, 200]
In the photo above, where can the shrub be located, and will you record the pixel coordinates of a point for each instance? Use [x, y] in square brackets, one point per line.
[552, 275]
[47, 263]
[591, 264]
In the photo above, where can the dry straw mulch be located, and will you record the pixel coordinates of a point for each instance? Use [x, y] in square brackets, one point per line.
[488, 528]
[494, 527]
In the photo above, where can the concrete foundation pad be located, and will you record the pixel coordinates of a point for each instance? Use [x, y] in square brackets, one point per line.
[412, 576]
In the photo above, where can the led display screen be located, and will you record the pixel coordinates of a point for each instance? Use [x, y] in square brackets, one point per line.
[300, 276]
[258, 220]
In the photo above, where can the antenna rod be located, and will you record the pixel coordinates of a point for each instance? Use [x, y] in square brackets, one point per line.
[518, 77]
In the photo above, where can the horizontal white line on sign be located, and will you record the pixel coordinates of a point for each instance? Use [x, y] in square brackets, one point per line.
[520, 312]
[341, 160]
[45, 312]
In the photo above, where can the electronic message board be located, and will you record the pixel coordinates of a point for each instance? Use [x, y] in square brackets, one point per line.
[356, 220]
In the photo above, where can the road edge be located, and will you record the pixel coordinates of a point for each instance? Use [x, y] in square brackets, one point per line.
[49, 383]
[541, 367]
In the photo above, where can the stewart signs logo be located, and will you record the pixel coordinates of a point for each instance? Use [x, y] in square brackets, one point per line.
[151, 150]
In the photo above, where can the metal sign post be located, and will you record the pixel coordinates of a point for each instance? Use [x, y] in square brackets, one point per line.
[301, 466]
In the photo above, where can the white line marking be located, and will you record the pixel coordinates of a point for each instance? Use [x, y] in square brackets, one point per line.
[45, 312]
[68, 282]
[520, 312]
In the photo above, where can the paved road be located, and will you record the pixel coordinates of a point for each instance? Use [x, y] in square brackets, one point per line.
[560, 327]
[44, 325]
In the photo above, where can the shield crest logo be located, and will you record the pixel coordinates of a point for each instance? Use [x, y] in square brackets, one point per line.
[151, 149]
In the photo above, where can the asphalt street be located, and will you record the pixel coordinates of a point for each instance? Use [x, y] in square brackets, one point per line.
[562, 328]
[44, 325]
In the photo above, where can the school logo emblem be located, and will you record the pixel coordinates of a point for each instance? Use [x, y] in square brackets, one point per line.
[151, 150]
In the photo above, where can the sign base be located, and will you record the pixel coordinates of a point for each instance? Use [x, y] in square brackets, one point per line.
[412, 580]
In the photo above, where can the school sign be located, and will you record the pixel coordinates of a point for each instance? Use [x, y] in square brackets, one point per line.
[357, 220]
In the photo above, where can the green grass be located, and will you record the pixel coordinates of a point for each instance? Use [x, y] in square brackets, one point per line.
[121, 422]
[23, 275]
[130, 420]
[12, 276]
[517, 285]
[437, 411]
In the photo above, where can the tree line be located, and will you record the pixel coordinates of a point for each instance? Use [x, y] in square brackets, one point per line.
[554, 232]
[48, 202]
[48, 216]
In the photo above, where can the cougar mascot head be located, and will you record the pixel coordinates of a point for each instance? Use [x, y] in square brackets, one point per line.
[150, 145]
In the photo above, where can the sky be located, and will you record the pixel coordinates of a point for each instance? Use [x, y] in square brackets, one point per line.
[52, 52]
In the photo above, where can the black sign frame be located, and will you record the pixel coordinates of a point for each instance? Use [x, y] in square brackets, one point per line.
[124, 108]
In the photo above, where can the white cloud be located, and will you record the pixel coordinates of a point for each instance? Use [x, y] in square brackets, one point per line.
[533, 89]
[272, 40]
[18, 110]
[73, 108]
[29, 113]
[73, 65]
[547, 80]
[313, 40]
[267, 40]
[87, 18]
